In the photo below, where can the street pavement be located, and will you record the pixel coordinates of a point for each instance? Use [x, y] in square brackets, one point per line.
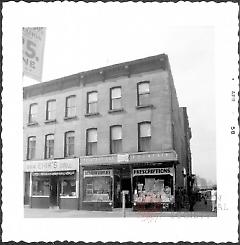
[200, 210]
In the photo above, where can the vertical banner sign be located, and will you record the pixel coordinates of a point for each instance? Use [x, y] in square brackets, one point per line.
[33, 50]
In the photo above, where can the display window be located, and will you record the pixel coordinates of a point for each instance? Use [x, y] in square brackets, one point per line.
[68, 186]
[40, 186]
[153, 189]
[98, 189]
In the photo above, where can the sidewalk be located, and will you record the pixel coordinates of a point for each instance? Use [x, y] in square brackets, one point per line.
[116, 213]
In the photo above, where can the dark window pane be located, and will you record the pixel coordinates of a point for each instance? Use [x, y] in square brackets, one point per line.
[92, 107]
[116, 146]
[92, 148]
[145, 144]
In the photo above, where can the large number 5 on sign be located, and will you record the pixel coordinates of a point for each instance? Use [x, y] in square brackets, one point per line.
[30, 49]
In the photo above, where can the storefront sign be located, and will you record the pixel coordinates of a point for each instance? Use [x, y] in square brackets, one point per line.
[51, 165]
[53, 173]
[94, 173]
[152, 171]
[140, 157]
[123, 158]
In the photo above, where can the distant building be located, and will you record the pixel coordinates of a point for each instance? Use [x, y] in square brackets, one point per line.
[91, 135]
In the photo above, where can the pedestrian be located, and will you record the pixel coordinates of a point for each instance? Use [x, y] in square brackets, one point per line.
[178, 201]
[214, 198]
[192, 200]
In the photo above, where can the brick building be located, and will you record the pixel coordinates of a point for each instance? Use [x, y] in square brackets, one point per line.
[91, 135]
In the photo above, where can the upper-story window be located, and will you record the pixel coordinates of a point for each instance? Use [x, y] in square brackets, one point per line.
[143, 93]
[51, 110]
[31, 150]
[116, 98]
[144, 136]
[91, 141]
[70, 106]
[116, 139]
[33, 113]
[92, 99]
[69, 143]
[49, 146]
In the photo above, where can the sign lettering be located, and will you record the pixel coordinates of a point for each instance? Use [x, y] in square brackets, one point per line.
[152, 171]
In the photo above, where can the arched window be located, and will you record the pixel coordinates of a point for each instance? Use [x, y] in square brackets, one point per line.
[92, 100]
[31, 150]
[33, 113]
[91, 141]
[49, 146]
[70, 106]
[69, 143]
[116, 139]
[143, 97]
[144, 136]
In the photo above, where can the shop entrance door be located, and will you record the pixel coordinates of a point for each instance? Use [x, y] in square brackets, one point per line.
[126, 185]
[54, 191]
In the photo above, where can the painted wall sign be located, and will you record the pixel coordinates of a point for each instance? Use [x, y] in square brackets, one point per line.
[152, 171]
[33, 49]
[51, 165]
[94, 173]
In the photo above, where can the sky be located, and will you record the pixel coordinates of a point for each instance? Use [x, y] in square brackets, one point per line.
[85, 38]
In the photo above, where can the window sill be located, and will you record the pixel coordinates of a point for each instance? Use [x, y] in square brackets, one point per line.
[92, 114]
[116, 110]
[70, 118]
[32, 124]
[150, 106]
[50, 121]
[69, 157]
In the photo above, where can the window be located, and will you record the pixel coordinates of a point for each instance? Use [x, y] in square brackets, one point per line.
[116, 98]
[98, 189]
[40, 186]
[49, 146]
[144, 139]
[69, 144]
[51, 110]
[70, 106]
[116, 139]
[92, 141]
[68, 185]
[33, 113]
[31, 147]
[143, 93]
[92, 99]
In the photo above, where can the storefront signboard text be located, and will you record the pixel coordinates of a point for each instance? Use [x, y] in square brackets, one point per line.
[94, 173]
[51, 165]
[152, 171]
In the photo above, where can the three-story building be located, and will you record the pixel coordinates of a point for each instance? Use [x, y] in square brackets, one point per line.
[89, 136]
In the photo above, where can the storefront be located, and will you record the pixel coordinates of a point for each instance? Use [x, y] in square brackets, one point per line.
[53, 183]
[154, 188]
[101, 189]
[148, 178]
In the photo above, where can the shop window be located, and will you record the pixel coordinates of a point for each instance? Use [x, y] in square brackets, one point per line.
[51, 110]
[40, 186]
[143, 97]
[144, 136]
[116, 139]
[92, 100]
[49, 146]
[91, 141]
[150, 189]
[68, 186]
[33, 113]
[70, 106]
[31, 150]
[116, 98]
[98, 189]
[69, 143]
